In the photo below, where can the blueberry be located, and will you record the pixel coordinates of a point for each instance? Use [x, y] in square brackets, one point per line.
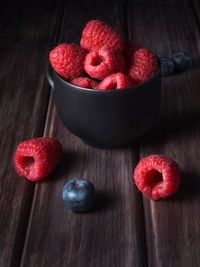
[182, 60]
[167, 66]
[78, 195]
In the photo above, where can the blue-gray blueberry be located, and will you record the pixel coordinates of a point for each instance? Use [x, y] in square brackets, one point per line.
[182, 60]
[167, 66]
[78, 195]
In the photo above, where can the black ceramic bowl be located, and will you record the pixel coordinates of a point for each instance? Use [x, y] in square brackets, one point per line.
[106, 118]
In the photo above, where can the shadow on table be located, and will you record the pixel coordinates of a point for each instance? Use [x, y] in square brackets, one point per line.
[171, 126]
[69, 160]
[103, 200]
[189, 187]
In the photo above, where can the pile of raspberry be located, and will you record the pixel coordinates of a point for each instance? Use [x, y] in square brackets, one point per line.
[103, 60]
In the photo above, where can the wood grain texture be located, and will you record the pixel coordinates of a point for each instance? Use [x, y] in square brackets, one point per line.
[172, 225]
[113, 233]
[196, 9]
[24, 95]
[110, 235]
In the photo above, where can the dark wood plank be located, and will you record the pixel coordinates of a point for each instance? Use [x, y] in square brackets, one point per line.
[110, 235]
[196, 9]
[27, 32]
[172, 225]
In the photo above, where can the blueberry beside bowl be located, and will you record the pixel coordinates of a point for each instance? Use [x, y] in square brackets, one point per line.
[167, 66]
[106, 118]
[182, 60]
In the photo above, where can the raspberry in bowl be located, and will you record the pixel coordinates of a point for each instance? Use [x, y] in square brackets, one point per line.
[106, 118]
[105, 115]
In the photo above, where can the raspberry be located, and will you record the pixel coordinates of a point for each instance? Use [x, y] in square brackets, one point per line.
[157, 176]
[101, 62]
[143, 65]
[37, 158]
[130, 48]
[85, 82]
[115, 81]
[68, 60]
[97, 34]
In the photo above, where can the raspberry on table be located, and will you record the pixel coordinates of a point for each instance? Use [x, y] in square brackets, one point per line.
[157, 176]
[101, 62]
[143, 66]
[97, 34]
[115, 81]
[68, 60]
[85, 82]
[130, 48]
[37, 158]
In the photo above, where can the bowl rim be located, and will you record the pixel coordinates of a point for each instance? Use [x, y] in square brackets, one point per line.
[111, 91]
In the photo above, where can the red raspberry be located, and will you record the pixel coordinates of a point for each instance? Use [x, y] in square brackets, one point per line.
[68, 60]
[101, 62]
[37, 158]
[157, 176]
[97, 34]
[85, 82]
[115, 81]
[143, 65]
[130, 48]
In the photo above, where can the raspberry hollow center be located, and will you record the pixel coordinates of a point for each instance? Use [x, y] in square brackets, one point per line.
[112, 86]
[154, 178]
[28, 162]
[97, 61]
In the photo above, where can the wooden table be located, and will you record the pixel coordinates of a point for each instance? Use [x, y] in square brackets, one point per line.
[125, 229]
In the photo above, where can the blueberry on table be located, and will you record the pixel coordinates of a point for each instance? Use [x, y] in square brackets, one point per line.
[167, 66]
[182, 60]
[78, 195]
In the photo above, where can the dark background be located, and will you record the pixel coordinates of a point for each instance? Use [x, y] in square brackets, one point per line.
[125, 229]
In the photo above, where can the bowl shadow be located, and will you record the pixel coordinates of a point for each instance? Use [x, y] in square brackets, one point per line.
[171, 125]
